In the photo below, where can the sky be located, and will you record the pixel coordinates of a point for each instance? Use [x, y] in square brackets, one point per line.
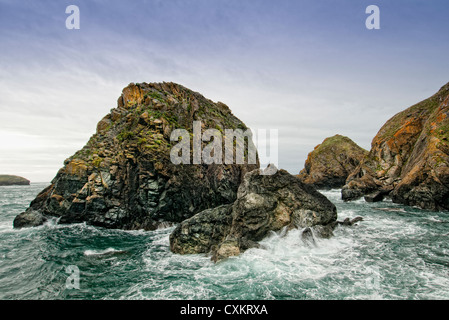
[309, 68]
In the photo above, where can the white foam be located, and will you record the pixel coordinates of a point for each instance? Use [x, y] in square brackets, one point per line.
[102, 252]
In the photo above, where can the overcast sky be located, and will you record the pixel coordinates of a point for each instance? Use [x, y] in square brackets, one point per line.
[309, 68]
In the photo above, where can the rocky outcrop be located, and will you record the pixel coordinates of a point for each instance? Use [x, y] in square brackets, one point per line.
[264, 203]
[29, 218]
[124, 177]
[330, 163]
[10, 180]
[409, 157]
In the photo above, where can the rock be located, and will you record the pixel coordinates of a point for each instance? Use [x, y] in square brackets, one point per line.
[29, 218]
[124, 177]
[10, 180]
[203, 231]
[355, 220]
[375, 196]
[349, 222]
[330, 163]
[409, 158]
[307, 237]
[264, 203]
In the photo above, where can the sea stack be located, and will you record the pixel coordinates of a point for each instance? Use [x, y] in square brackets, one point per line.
[409, 157]
[330, 163]
[124, 177]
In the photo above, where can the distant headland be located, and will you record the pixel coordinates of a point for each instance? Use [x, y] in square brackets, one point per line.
[10, 180]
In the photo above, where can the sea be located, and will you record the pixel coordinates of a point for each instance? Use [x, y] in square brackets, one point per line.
[395, 253]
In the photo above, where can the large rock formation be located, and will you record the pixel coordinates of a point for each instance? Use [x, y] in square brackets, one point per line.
[10, 180]
[409, 157]
[264, 203]
[124, 177]
[330, 163]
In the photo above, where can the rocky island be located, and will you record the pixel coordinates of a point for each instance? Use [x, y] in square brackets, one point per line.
[123, 177]
[330, 163]
[11, 180]
[409, 158]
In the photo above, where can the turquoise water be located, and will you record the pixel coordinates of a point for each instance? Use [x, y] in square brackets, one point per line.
[397, 252]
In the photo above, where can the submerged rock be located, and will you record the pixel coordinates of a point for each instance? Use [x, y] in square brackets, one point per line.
[350, 222]
[409, 158]
[124, 177]
[307, 237]
[264, 203]
[330, 163]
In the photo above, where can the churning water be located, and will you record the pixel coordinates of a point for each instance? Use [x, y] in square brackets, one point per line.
[396, 252]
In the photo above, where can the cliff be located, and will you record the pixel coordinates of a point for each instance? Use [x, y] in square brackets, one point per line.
[124, 177]
[409, 157]
[330, 163]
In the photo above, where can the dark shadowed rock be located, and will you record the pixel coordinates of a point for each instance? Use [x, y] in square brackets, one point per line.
[375, 197]
[264, 203]
[349, 222]
[409, 157]
[124, 177]
[203, 231]
[29, 218]
[330, 163]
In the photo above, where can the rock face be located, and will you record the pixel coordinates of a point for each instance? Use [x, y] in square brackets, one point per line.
[124, 178]
[264, 204]
[409, 157]
[330, 163]
[9, 180]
